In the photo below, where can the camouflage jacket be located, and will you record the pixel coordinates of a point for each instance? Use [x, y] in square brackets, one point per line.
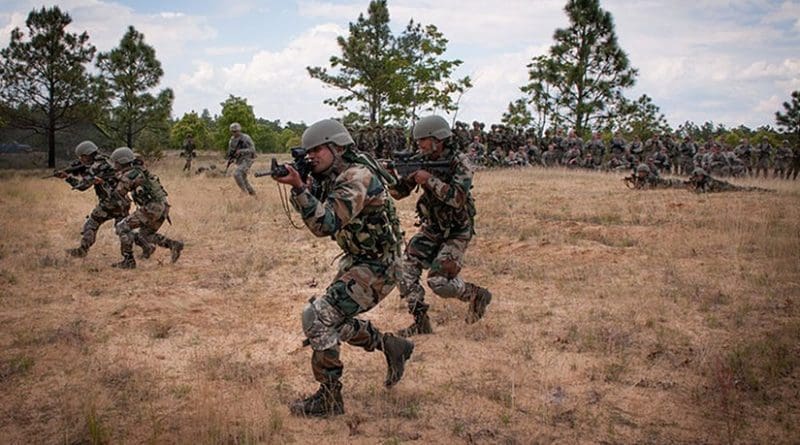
[188, 149]
[446, 206]
[656, 182]
[241, 148]
[101, 169]
[141, 184]
[350, 204]
[710, 185]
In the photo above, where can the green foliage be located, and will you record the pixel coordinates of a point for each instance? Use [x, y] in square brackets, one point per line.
[391, 78]
[192, 124]
[235, 109]
[580, 81]
[129, 72]
[517, 116]
[641, 118]
[44, 85]
[790, 119]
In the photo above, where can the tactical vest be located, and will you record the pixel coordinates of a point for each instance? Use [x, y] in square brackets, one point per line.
[149, 190]
[444, 218]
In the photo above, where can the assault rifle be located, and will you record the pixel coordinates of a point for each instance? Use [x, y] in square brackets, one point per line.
[76, 167]
[405, 164]
[230, 156]
[299, 163]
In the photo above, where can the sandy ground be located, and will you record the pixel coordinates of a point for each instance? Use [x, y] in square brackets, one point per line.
[618, 316]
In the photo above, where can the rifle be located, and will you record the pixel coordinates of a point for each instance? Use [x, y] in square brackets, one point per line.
[76, 167]
[632, 181]
[299, 163]
[230, 155]
[405, 164]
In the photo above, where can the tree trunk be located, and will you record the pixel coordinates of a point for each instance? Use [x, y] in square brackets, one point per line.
[51, 140]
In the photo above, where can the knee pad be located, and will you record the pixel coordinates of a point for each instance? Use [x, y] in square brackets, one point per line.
[445, 287]
[122, 227]
[319, 320]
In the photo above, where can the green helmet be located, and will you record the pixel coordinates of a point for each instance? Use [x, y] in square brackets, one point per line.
[642, 168]
[235, 127]
[699, 172]
[123, 155]
[324, 131]
[434, 126]
[85, 148]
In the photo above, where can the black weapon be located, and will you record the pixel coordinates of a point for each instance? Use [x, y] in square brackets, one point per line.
[405, 164]
[75, 168]
[231, 155]
[299, 163]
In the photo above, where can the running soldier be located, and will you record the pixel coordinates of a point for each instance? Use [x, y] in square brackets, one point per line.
[447, 211]
[187, 151]
[152, 208]
[347, 200]
[242, 151]
[95, 170]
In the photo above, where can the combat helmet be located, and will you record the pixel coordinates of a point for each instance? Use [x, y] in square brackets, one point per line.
[235, 127]
[643, 168]
[325, 131]
[123, 155]
[699, 172]
[432, 126]
[85, 148]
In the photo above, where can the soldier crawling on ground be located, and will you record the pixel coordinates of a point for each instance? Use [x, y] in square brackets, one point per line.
[645, 179]
[702, 182]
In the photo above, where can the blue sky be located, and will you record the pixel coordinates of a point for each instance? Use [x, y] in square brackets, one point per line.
[728, 61]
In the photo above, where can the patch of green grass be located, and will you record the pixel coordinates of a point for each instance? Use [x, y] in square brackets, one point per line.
[17, 366]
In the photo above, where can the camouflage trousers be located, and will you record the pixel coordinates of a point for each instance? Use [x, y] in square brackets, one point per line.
[99, 215]
[761, 165]
[780, 169]
[443, 256]
[240, 175]
[188, 164]
[148, 219]
[331, 319]
[794, 169]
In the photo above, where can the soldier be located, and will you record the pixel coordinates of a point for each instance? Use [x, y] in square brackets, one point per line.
[597, 148]
[241, 150]
[348, 201]
[701, 182]
[674, 153]
[447, 211]
[744, 151]
[533, 152]
[636, 149]
[152, 208]
[99, 173]
[188, 148]
[716, 162]
[783, 157]
[645, 179]
[762, 153]
[661, 160]
[618, 144]
[688, 150]
[794, 165]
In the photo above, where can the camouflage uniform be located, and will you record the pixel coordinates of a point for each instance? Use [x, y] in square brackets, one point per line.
[688, 150]
[744, 152]
[188, 152]
[244, 152]
[349, 203]
[701, 182]
[762, 153]
[446, 211]
[151, 212]
[783, 156]
[794, 165]
[109, 206]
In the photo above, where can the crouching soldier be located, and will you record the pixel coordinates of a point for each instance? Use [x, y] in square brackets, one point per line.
[446, 210]
[152, 208]
[347, 200]
[95, 170]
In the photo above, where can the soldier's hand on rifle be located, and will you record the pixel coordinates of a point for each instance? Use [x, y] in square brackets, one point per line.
[98, 180]
[62, 175]
[420, 176]
[293, 178]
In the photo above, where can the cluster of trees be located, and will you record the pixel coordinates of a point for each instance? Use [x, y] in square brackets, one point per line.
[47, 86]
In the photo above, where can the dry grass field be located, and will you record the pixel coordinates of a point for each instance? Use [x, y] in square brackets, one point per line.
[618, 317]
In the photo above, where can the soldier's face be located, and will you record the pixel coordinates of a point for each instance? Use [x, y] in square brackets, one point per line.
[429, 146]
[86, 159]
[320, 157]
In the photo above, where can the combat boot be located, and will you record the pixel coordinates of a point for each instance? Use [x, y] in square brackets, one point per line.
[327, 401]
[147, 250]
[127, 262]
[422, 323]
[175, 248]
[78, 252]
[479, 298]
[397, 350]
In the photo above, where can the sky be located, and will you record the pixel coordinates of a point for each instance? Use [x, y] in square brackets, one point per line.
[732, 62]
